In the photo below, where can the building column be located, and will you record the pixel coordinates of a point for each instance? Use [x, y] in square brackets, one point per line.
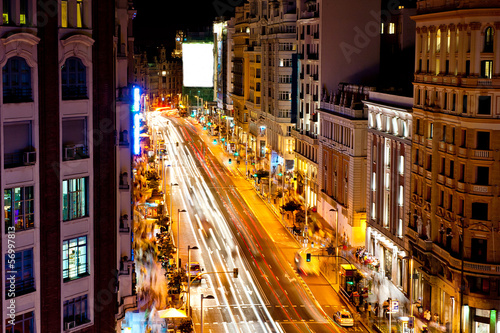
[432, 50]
[475, 48]
[496, 54]
[462, 45]
[453, 49]
[443, 49]
[424, 50]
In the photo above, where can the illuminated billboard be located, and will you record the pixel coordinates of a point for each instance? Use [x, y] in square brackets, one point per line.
[198, 64]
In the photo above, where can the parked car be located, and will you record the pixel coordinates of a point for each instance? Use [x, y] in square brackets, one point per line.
[344, 318]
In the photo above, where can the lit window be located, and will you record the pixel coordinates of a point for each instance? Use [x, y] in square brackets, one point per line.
[488, 40]
[382, 28]
[75, 312]
[401, 195]
[374, 181]
[20, 265]
[487, 69]
[438, 41]
[64, 13]
[392, 28]
[395, 128]
[75, 198]
[19, 211]
[401, 164]
[23, 12]
[373, 211]
[75, 258]
[6, 12]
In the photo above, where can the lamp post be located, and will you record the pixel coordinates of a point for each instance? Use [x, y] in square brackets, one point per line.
[170, 211]
[202, 298]
[336, 245]
[189, 278]
[179, 211]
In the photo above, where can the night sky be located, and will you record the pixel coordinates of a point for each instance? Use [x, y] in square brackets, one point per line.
[157, 20]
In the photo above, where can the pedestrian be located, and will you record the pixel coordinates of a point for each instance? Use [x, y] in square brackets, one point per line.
[369, 309]
[366, 306]
[385, 306]
[376, 308]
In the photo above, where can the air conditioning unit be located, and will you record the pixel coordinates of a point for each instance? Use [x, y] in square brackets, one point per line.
[29, 158]
[69, 152]
[69, 325]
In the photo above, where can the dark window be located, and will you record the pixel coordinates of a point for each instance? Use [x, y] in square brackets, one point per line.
[75, 198]
[74, 139]
[484, 105]
[483, 141]
[20, 265]
[479, 248]
[75, 312]
[467, 67]
[19, 208]
[23, 12]
[6, 12]
[447, 68]
[74, 79]
[18, 148]
[488, 40]
[452, 169]
[483, 175]
[24, 323]
[479, 286]
[487, 69]
[480, 211]
[75, 258]
[462, 172]
[464, 104]
[454, 100]
[16, 81]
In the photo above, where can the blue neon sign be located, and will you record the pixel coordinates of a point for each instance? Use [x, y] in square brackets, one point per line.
[137, 127]
[137, 99]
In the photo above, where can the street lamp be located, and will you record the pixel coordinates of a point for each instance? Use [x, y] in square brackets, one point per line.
[179, 211]
[189, 278]
[202, 298]
[336, 244]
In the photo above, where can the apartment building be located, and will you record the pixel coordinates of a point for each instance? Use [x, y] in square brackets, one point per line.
[388, 188]
[454, 206]
[279, 59]
[58, 169]
[342, 139]
[240, 75]
[307, 127]
[126, 94]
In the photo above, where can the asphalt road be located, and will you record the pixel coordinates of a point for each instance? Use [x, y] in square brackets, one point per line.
[233, 228]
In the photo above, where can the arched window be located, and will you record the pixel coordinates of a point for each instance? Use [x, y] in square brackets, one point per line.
[488, 40]
[16, 81]
[74, 79]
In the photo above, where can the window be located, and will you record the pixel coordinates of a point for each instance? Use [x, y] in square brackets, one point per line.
[482, 175]
[18, 148]
[75, 198]
[75, 312]
[284, 95]
[6, 12]
[479, 211]
[23, 12]
[431, 130]
[464, 104]
[24, 323]
[19, 208]
[401, 164]
[16, 81]
[382, 28]
[392, 28]
[74, 79]
[483, 140]
[479, 249]
[484, 105]
[438, 42]
[488, 40]
[487, 68]
[467, 67]
[74, 139]
[20, 265]
[64, 13]
[75, 258]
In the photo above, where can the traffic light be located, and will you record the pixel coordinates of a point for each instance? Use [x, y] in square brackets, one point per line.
[235, 272]
[209, 124]
[280, 174]
[255, 175]
[236, 153]
[204, 128]
[223, 139]
[229, 161]
[308, 257]
[215, 141]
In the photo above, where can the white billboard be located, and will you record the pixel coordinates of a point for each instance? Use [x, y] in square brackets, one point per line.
[198, 65]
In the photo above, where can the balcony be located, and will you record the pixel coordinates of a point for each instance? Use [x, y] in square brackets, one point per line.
[440, 179]
[20, 287]
[449, 182]
[428, 174]
[481, 189]
[442, 146]
[74, 92]
[17, 95]
[15, 160]
[462, 152]
[75, 152]
[482, 154]
[450, 148]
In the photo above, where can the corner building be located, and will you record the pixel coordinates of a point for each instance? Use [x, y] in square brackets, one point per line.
[453, 234]
[58, 164]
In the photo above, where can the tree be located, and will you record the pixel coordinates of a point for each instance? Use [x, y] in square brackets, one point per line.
[261, 174]
[186, 326]
[291, 206]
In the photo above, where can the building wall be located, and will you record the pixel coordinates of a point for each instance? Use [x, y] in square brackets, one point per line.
[454, 164]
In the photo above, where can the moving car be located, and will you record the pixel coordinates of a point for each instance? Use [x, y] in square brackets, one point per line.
[194, 270]
[344, 318]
